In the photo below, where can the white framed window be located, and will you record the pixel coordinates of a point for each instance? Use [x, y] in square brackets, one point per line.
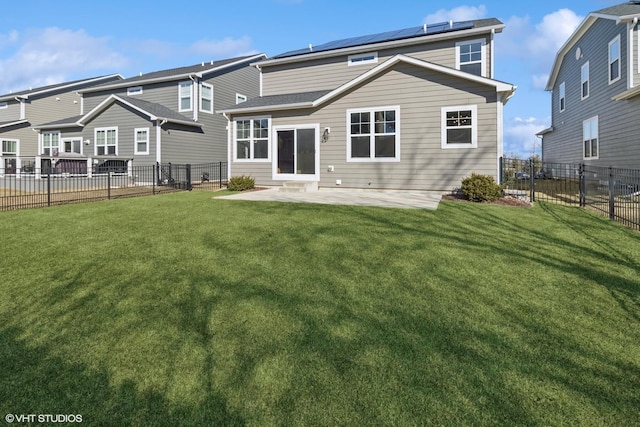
[106, 141]
[72, 145]
[252, 139]
[10, 147]
[614, 60]
[51, 143]
[185, 96]
[373, 134]
[240, 98]
[459, 127]
[8, 155]
[206, 98]
[590, 138]
[136, 90]
[562, 97]
[470, 56]
[141, 138]
[363, 58]
[3, 105]
[584, 81]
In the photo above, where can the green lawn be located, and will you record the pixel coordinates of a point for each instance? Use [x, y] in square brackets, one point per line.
[183, 309]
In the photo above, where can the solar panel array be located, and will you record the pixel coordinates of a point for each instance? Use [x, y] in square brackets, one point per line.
[406, 33]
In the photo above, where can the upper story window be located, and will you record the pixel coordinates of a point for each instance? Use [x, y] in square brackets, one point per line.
[584, 79]
[252, 138]
[206, 97]
[3, 105]
[72, 145]
[590, 138]
[51, 143]
[136, 90]
[141, 136]
[185, 96]
[562, 97]
[459, 127]
[373, 134]
[240, 98]
[470, 56]
[614, 59]
[9, 147]
[106, 141]
[365, 58]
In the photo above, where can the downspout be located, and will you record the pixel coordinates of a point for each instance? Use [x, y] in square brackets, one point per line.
[196, 98]
[159, 125]
[260, 70]
[493, 32]
[631, 77]
[229, 146]
[23, 112]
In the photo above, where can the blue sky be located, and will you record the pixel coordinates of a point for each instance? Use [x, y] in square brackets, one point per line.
[44, 42]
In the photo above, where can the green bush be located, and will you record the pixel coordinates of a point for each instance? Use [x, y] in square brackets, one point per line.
[241, 183]
[481, 188]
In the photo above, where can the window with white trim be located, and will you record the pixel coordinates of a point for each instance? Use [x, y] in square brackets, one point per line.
[4, 105]
[373, 134]
[106, 141]
[470, 56]
[185, 96]
[240, 98]
[459, 127]
[562, 97]
[136, 90]
[590, 138]
[584, 81]
[252, 138]
[9, 147]
[51, 143]
[206, 98]
[72, 145]
[9, 156]
[614, 60]
[141, 138]
[364, 58]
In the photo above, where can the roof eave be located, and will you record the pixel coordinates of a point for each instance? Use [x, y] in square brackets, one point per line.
[17, 122]
[381, 45]
[265, 108]
[62, 86]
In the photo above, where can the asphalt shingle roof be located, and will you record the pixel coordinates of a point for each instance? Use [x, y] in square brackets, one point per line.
[279, 100]
[623, 9]
[157, 110]
[52, 87]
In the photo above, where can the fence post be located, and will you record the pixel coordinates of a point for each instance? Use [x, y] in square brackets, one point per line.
[154, 177]
[187, 171]
[532, 189]
[171, 183]
[49, 187]
[501, 170]
[219, 174]
[583, 185]
[612, 192]
[109, 185]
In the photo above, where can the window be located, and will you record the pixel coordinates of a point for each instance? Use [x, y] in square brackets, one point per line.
[585, 81]
[3, 105]
[185, 95]
[459, 127]
[562, 97]
[106, 141]
[470, 57]
[9, 147]
[240, 98]
[206, 98]
[373, 134]
[9, 153]
[51, 143]
[141, 138]
[137, 90]
[252, 138]
[590, 138]
[72, 145]
[614, 60]
[366, 58]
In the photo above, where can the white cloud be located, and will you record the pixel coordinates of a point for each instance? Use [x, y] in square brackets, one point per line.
[520, 135]
[552, 32]
[51, 55]
[462, 13]
[225, 48]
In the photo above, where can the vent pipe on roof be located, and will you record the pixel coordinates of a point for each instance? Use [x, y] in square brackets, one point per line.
[203, 63]
[424, 28]
[310, 46]
[450, 24]
[211, 62]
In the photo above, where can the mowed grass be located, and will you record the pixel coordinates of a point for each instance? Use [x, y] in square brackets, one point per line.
[184, 309]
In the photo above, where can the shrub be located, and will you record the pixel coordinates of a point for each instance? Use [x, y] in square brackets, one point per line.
[241, 183]
[481, 188]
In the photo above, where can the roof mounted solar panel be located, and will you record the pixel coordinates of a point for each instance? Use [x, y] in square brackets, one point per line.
[406, 33]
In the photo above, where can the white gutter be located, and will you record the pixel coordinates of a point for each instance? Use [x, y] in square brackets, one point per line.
[23, 113]
[159, 125]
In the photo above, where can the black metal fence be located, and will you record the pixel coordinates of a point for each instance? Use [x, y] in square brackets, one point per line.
[614, 192]
[36, 188]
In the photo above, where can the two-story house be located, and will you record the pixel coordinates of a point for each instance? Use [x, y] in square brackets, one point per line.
[594, 85]
[417, 108]
[21, 111]
[157, 117]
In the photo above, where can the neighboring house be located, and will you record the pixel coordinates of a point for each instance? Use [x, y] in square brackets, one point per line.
[158, 117]
[417, 108]
[595, 83]
[21, 111]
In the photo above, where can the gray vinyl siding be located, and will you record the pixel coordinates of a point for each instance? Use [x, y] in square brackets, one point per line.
[52, 108]
[423, 165]
[330, 73]
[11, 113]
[619, 127]
[27, 139]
